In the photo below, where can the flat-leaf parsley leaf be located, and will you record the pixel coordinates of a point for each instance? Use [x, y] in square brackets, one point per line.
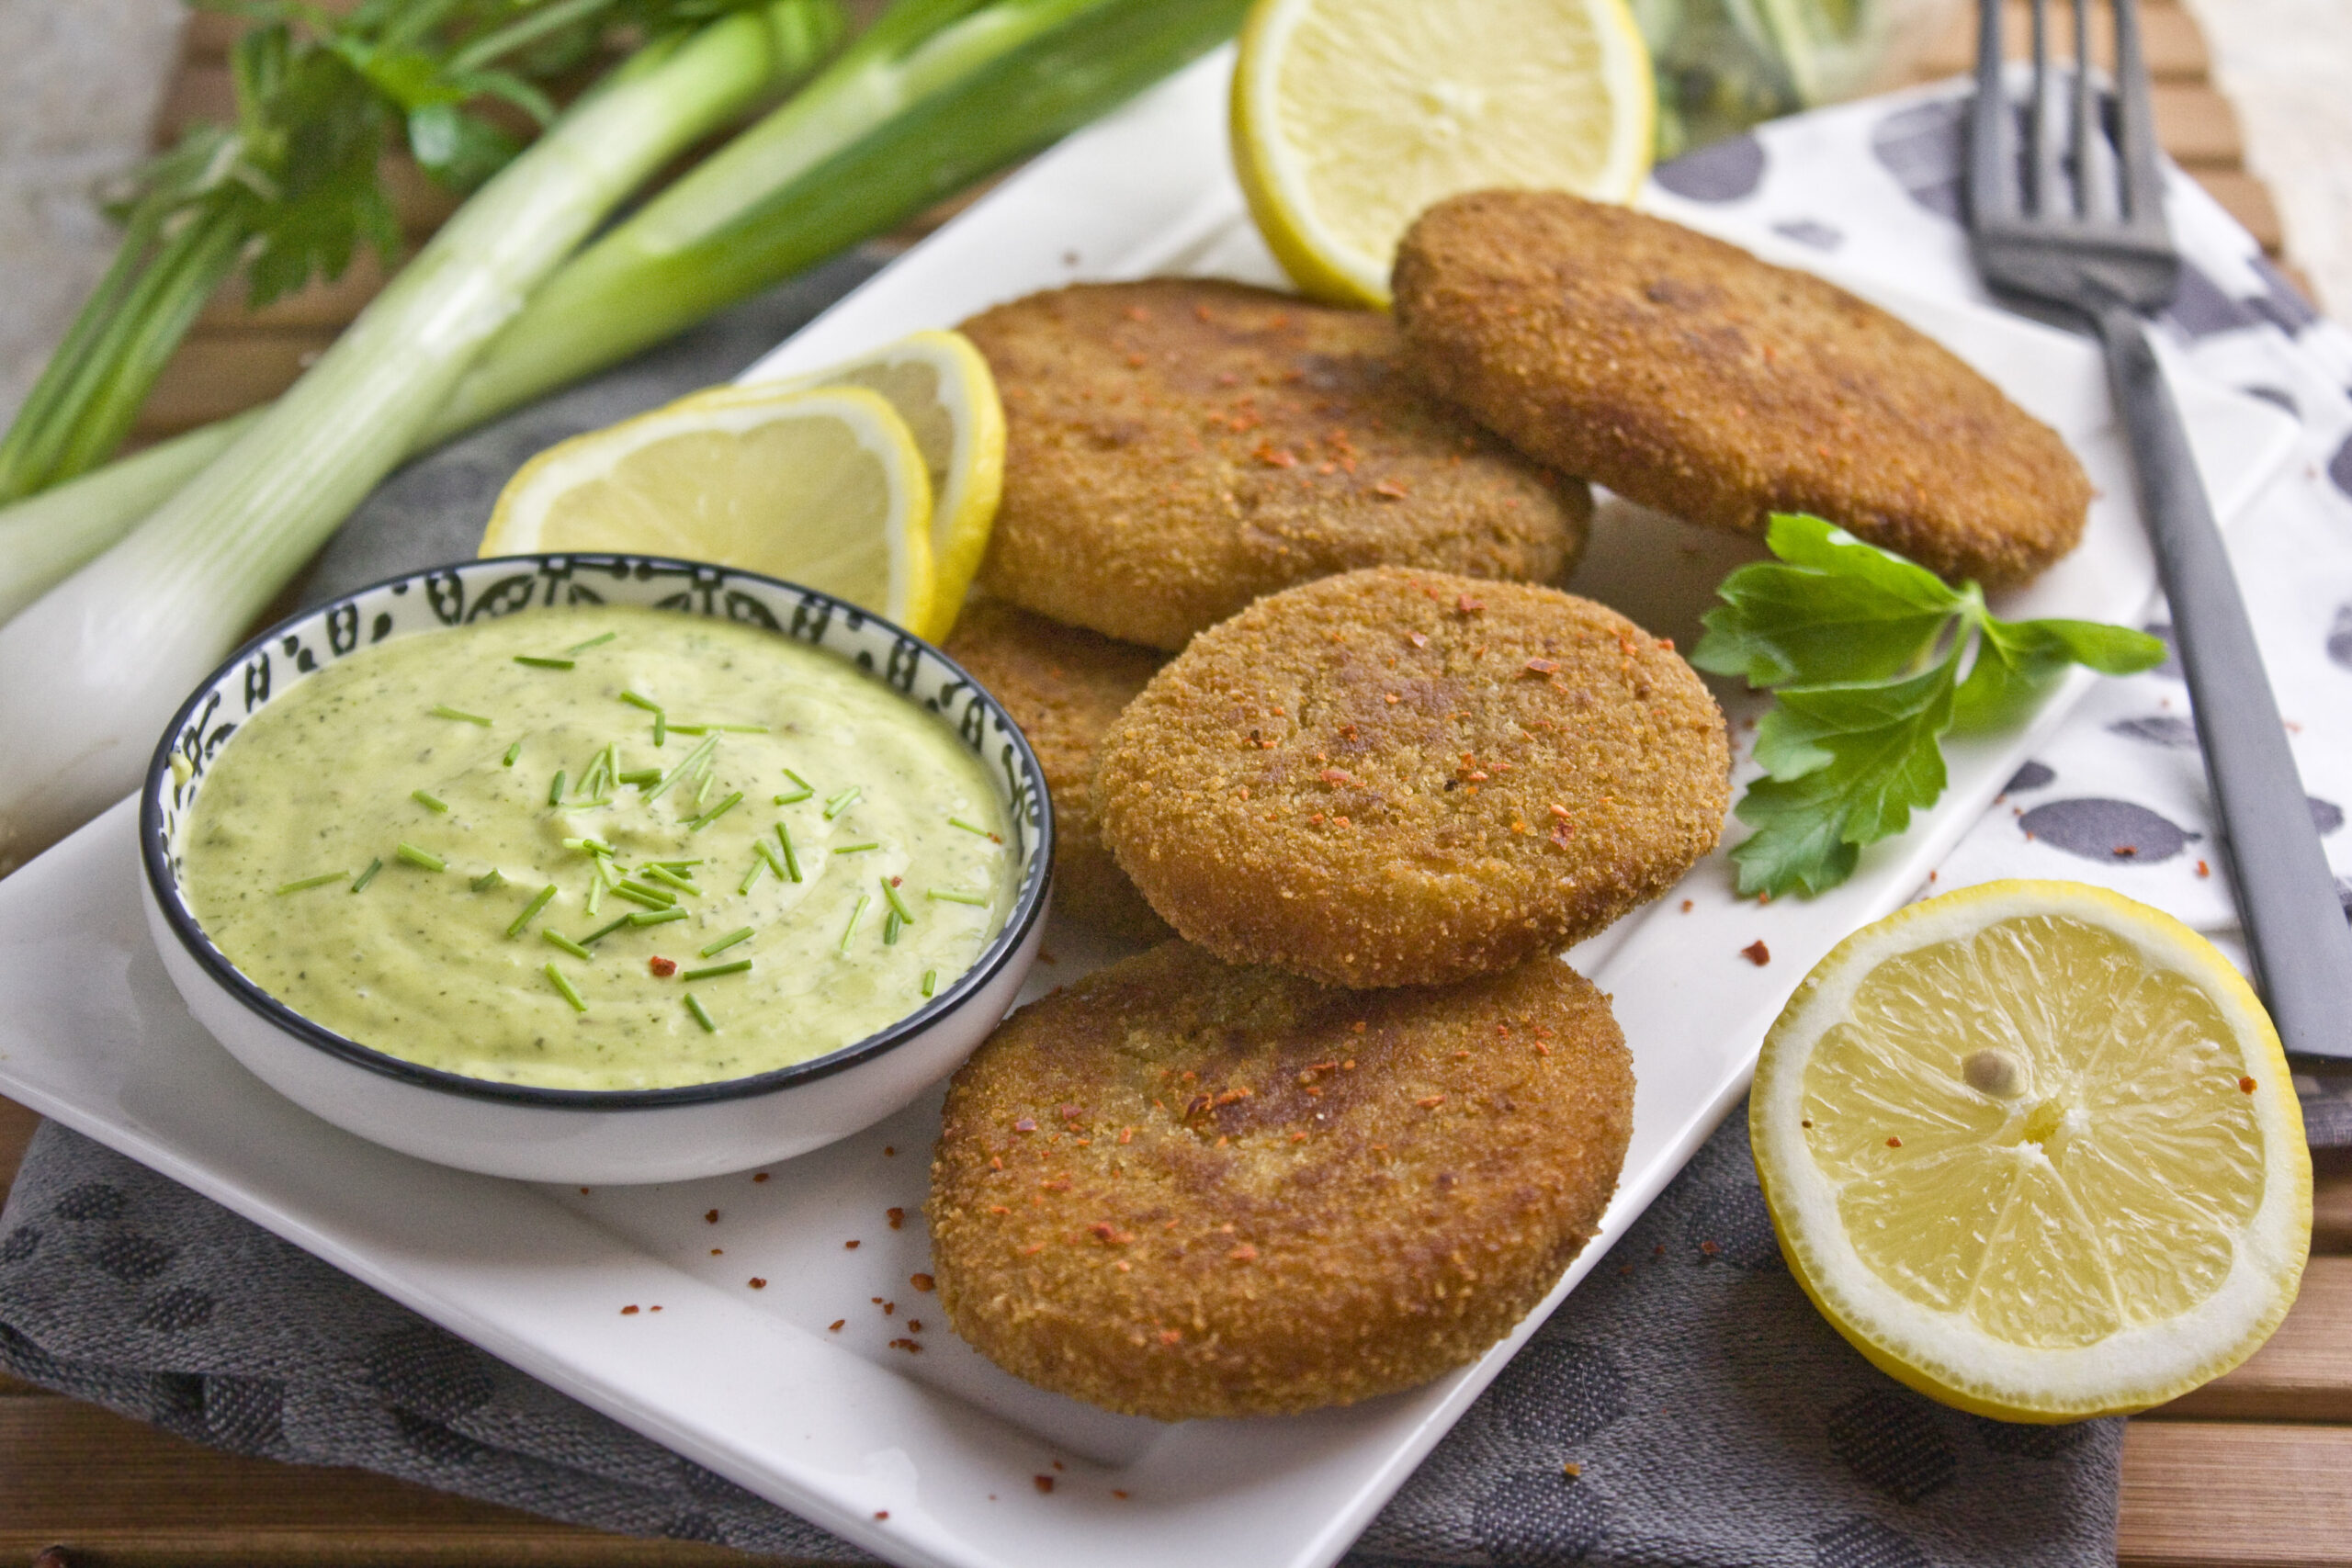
[1873, 658]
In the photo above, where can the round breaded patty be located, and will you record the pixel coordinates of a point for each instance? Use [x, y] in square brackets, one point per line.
[1063, 687]
[1177, 447]
[1180, 1189]
[1686, 374]
[1397, 777]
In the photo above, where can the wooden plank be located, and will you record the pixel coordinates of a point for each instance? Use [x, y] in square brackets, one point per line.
[131, 1496]
[2247, 199]
[2331, 1200]
[2175, 48]
[322, 305]
[217, 374]
[2233, 1495]
[2304, 1373]
[2198, 126]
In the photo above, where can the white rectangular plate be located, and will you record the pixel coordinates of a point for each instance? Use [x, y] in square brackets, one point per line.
[841, 1427]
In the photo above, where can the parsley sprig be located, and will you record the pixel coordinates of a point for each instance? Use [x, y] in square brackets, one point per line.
[1871, 658]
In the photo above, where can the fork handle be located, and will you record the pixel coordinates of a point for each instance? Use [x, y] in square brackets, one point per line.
[2294, 925]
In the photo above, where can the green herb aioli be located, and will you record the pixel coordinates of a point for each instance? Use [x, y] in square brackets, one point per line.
[422, 967]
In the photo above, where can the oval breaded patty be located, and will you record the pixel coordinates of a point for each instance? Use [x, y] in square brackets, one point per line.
[1063, 686]
[1177, 447]
[1397, 777]
[1686, 374]
[1180, 1189]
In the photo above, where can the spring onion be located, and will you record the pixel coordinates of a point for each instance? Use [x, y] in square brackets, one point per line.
[936, 95]
[123, 640]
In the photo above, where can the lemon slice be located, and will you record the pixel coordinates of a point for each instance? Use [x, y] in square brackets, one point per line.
[1351, 116]
[826, 489]
[943, 389]
[2033, 1148]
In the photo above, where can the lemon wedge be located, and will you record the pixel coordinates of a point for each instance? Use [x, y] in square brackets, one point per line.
[826, 489]
[942, 387]
[1351, 116]
[2033, 1147]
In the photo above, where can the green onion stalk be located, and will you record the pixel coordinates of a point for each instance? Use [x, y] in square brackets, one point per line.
[936, 95]
[102, 659]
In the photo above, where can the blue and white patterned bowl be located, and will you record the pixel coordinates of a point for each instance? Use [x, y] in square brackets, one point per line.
[587, 1135]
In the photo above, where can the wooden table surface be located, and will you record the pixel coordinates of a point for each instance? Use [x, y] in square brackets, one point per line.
[2253, 1470]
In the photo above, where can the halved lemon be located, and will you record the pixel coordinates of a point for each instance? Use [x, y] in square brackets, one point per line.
[1351, 116]
[2033, 1147]
[826, 489]
[943, 389]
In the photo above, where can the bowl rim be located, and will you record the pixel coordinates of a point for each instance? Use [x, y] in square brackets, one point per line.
[1028, 910]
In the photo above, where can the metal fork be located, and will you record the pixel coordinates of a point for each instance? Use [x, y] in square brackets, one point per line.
[2081, 228]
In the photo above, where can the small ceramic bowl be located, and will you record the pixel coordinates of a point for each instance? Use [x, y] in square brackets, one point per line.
[587, 1135]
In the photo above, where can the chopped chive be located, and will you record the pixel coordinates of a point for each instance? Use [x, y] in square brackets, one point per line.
[970, 828]
[689, 729]
[555, 790]
[796, 778]
[709, 777]
[638, 893]
[309, 882]
[359, 883]
[794, 799]
[430, 802]
[592, 642]
[640, 777]
[759, 865]
[702, 1014]
[898, 904]
[929, 981]
[512, 752]
[637, 700]
[417, 857]
[857, 848]
[555, 978]
[791, 860]
[890, 926]
[733, 728]
[949, 895]
[661, 730]
[531, 908]
[595, 892]
[723, 943]
[601, 933]
[589, 846]
[854, 915]
[712, 972]
[488, 880]
[843, 802]
[675, 774]
[668, 878]
[716, 812]
[443, 710]
[555, 937]
[677, 865]
[536, 663]
[655, 917]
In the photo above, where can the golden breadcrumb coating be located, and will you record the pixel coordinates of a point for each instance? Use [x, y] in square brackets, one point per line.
[1063, 687]
[1177, 447]
[1686, 374]
[1179, 1188]
[1397, 777]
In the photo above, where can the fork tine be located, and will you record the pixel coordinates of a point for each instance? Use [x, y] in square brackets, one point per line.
[2136, 121]
[2095, 185]
[1992, 165]
[2045, 131]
